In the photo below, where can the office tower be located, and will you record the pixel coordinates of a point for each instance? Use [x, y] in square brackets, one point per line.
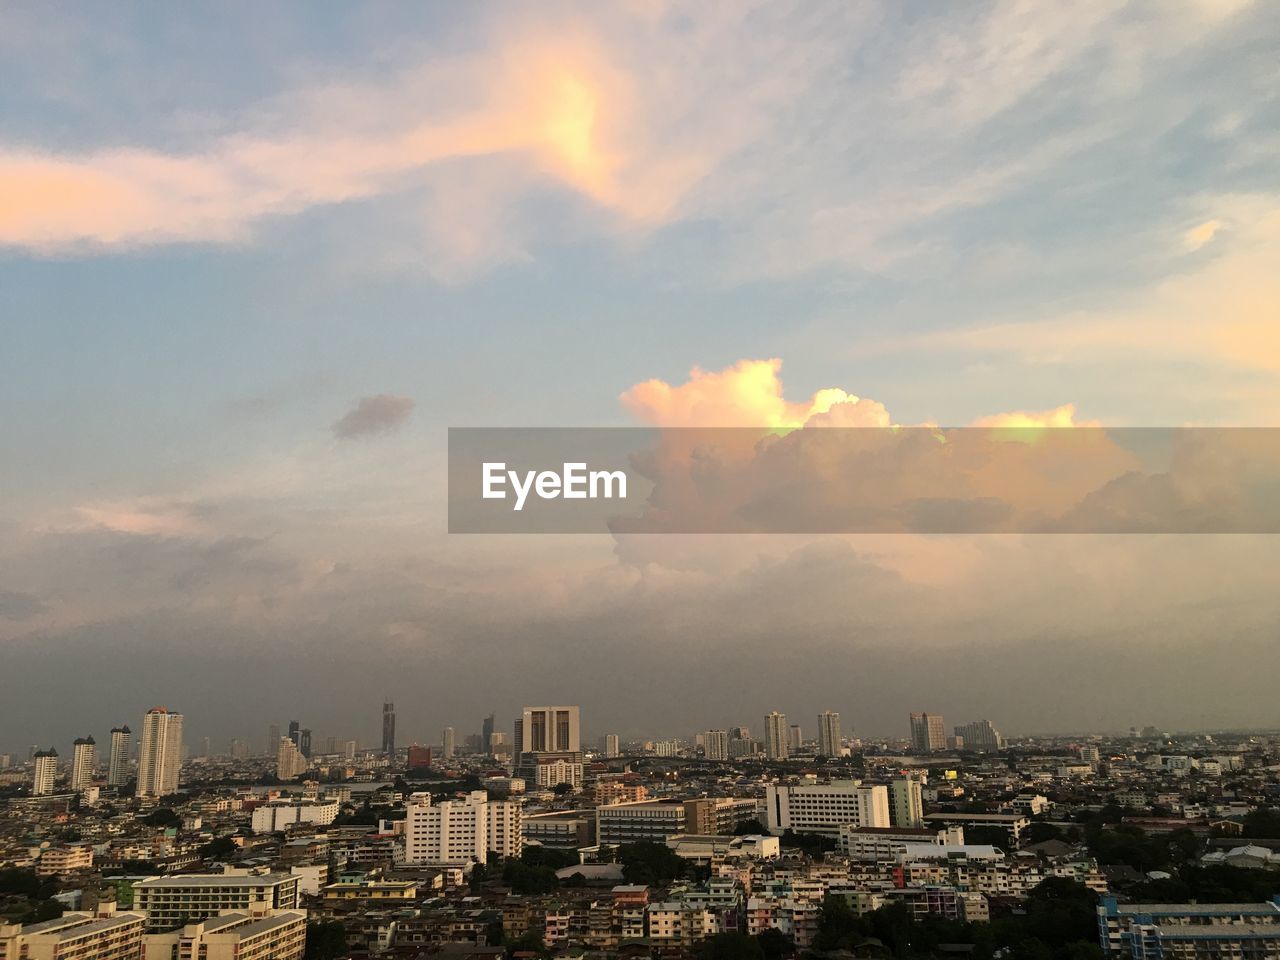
[45, 772]
[304, 742]
[348, 749]
[84, 762]
[776, 736]
[795, 739]
[206, 749]
[486, 734]
[609, 746]
[239, 750]
[548, 748]
[981, 736]
[715, 744]
[160, 756]
[829, 739]
[295, 733]
[447, 745]
[548, 730]
[388, 728]
[926, 733]
[290, 763]
[461, 831]
[118, 760]
[906, 802]
[273, 739]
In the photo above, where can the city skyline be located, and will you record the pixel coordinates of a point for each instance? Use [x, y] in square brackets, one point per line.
[241, 310]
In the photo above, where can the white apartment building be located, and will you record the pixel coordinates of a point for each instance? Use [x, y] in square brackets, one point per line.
[160, 756]
[44, 772]
[824, 807]
[174, 901]
[272, 935]
[777, 736]
[277, 816]
[715, 744]
[84, 763]
[460, 831]
[106, 935]
[290, 763]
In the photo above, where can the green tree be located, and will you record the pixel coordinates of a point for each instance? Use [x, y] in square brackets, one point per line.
[326, 940]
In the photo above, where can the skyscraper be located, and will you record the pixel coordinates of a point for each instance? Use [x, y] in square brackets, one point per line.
[715, 744]
[795, 739]
[776, 736]
[118, 761]
[448, 742]
[926, 733]
[610, 746]
[160, 756]
[45, 772]
[548, 745]
[829, 739]
[304, 742]
[273, 739]
[486, 734]
[290, 763]
[388, 728]
[84, 762]
[295, 733]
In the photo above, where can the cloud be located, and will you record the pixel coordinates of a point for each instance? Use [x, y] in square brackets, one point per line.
[20, 606]
[1199, 235]
[373, 416]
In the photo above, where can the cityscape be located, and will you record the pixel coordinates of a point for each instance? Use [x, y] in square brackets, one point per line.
[640, 480]
[530, 837]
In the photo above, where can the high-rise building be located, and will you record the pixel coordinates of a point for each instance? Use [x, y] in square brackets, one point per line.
[486, 733]
[980, 736]
[290, 763]
[44, 772]
[906, 803]
[160, 756]
[448, 744]
[715, 744]
[295, 733]
[776, 736]
[461, 831]
[926, 733]
[419, 757]
[388, 728]
[84, 763]
[548, 730]
[118, 761]
[273, 739]
[829, 739]
[795, 739]
[609, 746]
[304, 742]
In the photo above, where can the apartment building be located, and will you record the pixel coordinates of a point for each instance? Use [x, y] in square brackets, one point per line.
[273, 935]
[170, 902]
[105, 935]
[825, 807]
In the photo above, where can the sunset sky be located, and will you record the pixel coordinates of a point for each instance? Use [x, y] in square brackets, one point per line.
[254, 261]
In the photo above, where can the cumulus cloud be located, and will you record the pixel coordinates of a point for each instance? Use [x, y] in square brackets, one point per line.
[372, 416]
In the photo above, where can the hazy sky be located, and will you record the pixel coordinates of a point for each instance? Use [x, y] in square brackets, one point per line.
[254, 261]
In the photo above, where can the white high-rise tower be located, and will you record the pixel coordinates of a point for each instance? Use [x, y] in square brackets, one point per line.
[118, 759]
[776, 736]
[84, 762]
[160, 756]
[45, 772]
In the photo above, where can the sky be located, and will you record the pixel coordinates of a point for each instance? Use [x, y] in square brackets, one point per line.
[255, 260]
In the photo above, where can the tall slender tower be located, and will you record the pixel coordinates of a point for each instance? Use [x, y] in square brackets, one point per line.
[927, 735]
[448, 742]
[160, 757]
[118, 760]
[389, 728]
[45, 773]
[829, 734]
[776, 736]
[486, 734]
[84, 763]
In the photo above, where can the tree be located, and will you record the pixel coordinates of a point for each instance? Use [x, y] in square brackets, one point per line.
[326, 940]
[775, 944]
[162, 817]
[750, 828]
[730, 946]
[562, 789]
[653, 864]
